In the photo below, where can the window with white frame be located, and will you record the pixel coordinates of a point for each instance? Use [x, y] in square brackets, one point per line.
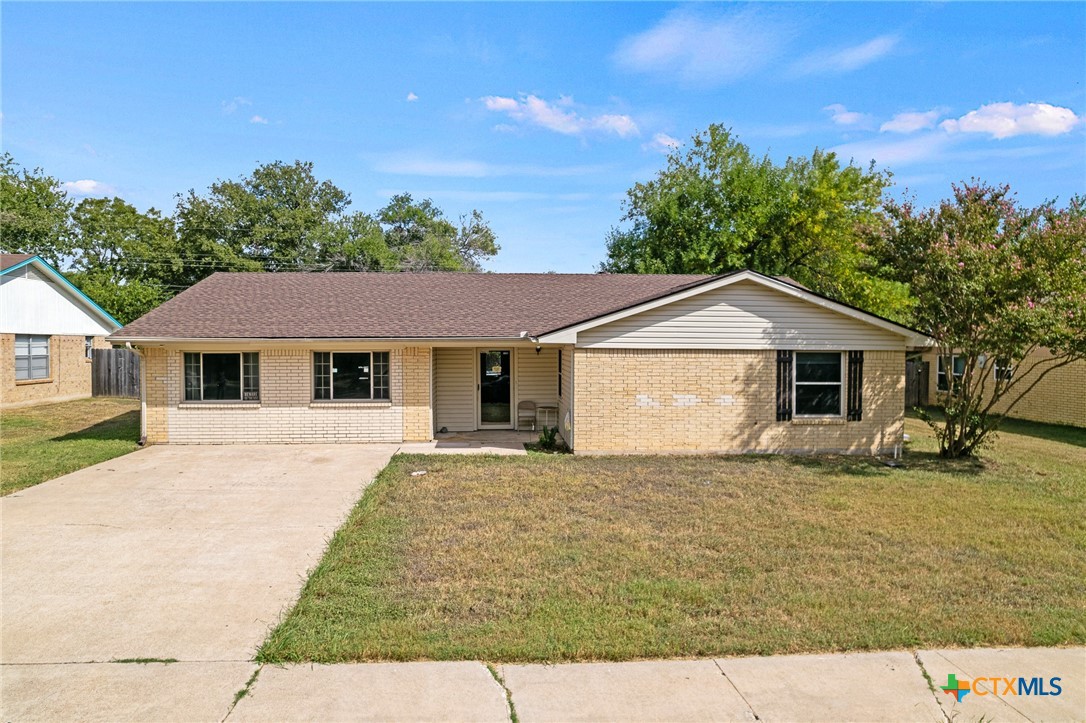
[1004, 370]
[31, 357]
[88, 347]
[957, 363]
[349, 375]
[222, 376]
[818, 383]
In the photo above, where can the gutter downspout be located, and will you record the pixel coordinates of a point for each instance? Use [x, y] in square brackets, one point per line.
[572, 397]
[143, 393]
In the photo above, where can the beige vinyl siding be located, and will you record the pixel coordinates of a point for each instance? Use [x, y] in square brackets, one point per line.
[536, 376]
[454, 389]
[743, 315]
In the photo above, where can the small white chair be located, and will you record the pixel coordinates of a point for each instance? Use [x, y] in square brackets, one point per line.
[526, 414]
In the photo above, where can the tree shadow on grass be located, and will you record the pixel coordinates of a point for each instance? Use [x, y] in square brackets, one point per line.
[1052, 432]
[124, 427]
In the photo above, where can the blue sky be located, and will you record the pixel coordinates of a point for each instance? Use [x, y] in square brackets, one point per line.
[539, 115]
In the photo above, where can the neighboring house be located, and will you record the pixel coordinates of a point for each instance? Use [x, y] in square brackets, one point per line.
[1058, 398]
[47, 330]
[734, 363]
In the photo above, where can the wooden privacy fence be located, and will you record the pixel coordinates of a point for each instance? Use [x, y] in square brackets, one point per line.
[916, 384]
[115, 373]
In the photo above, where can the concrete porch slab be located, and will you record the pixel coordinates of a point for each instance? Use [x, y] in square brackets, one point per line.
[504, 442]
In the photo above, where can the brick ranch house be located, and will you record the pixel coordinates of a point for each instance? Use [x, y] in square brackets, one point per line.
[48, 328]
[621, 363]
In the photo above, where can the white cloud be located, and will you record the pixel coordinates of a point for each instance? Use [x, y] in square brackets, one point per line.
[698, 49]
[1005, 120]
[846, 59]
[259, 119]
[411, 97]
[416, 164]
[912, 121]
[621, 125]
[231, 106]
[661, 143]
[88, 187]
[842, 116]
[534, 111]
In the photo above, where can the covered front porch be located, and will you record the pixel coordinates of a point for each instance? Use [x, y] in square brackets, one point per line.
[493, 389]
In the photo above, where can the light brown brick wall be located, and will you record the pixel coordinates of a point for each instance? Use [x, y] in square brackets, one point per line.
[1059, 398]
[644, 401]
[417, 424]
[157, 387]
[286, 412]
[69, 378]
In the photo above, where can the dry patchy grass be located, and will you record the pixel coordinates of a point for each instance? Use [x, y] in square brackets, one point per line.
[45, 441]
[548, 558]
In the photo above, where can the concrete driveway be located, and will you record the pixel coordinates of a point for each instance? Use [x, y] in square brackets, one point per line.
[173, 552]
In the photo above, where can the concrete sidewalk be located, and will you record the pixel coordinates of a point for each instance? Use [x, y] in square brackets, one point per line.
[853, 687]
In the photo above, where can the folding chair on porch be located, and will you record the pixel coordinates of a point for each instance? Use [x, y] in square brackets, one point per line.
[526, 414]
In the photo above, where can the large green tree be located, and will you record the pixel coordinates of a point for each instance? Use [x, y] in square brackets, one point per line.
[34, 212]
[282, 218]
[717, 207]
[421, 239]
[994, 282]
[121, 257]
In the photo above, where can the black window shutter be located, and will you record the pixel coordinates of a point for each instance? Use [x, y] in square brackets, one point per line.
[784, 385]
[855, 386]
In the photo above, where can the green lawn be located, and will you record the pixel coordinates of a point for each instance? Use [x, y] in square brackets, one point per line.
[549, 558]
[45, 441]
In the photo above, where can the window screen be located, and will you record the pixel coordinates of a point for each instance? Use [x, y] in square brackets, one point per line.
[818, 383]
[31, 357]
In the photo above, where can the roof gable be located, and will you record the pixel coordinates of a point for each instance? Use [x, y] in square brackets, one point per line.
[32, 266]
[776, 326]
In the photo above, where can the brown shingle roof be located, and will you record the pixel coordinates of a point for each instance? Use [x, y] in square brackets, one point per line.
[393, 305]
[9, 260]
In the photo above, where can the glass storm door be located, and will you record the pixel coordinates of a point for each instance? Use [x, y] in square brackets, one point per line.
[495, 388]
